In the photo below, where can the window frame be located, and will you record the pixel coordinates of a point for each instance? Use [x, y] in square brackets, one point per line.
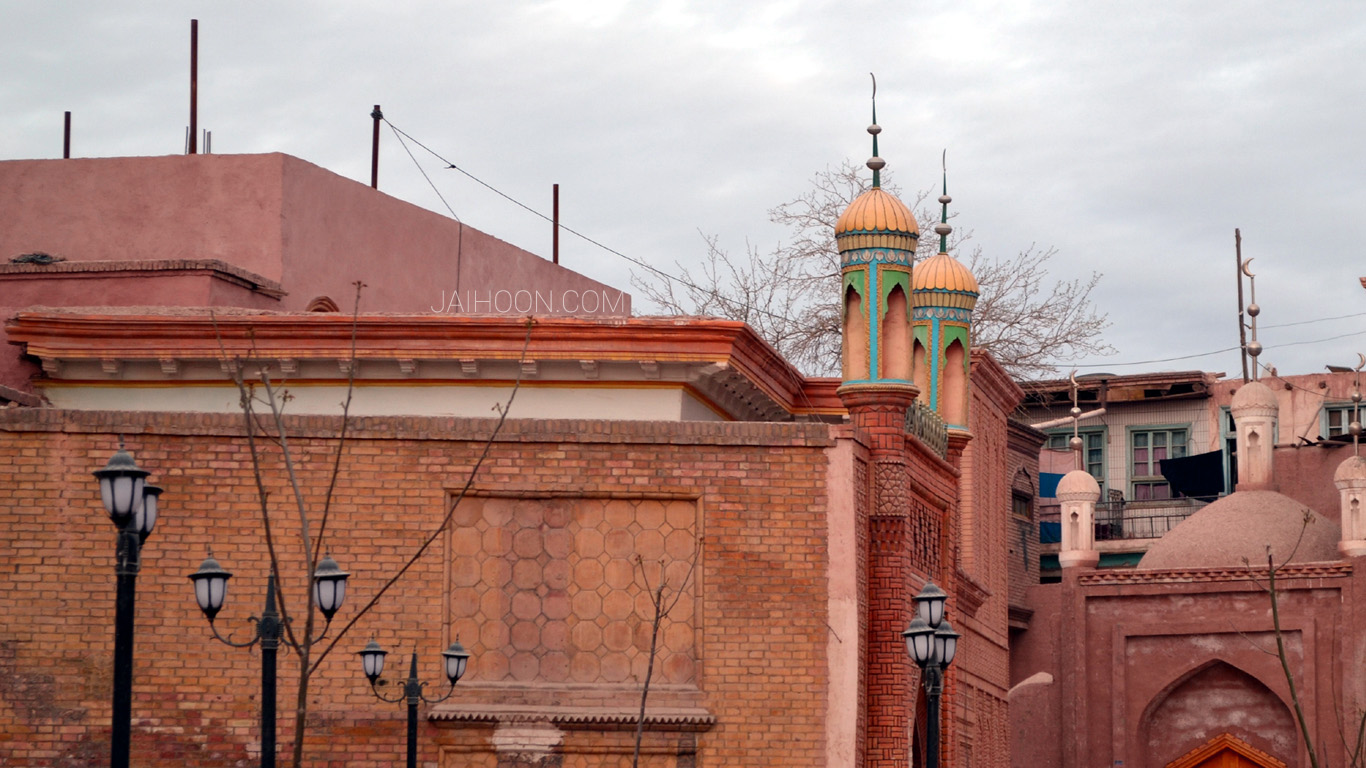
[1133, 481]
[1023, 490]
[1325, 425]
[1084, 433]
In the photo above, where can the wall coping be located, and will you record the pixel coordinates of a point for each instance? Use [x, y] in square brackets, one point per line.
[439, 428]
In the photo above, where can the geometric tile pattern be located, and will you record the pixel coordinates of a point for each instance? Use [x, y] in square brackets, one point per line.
[556, 587]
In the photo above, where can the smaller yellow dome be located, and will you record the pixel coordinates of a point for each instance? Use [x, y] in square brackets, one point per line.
[877, 211]
[943, 272]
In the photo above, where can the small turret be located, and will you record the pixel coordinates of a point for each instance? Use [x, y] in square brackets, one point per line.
[1078, 493]
[1351, 482]
[876, 236]
[945, 294]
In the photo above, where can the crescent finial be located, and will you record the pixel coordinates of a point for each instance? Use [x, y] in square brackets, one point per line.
[1072, 377]
[1361, 361]
[1247, 263]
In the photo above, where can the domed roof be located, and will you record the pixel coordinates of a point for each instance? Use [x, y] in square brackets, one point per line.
[877, 211]
[1237, 529]
[942, 281]
[1079, 482]
[1253, 394]
[1352, 470]
[942, 272]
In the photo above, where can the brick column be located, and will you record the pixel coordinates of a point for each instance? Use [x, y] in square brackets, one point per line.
[878, 414]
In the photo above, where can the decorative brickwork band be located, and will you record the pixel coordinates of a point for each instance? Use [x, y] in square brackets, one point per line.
[889, 668]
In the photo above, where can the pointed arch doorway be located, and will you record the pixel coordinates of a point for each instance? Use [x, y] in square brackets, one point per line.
[1226, 751]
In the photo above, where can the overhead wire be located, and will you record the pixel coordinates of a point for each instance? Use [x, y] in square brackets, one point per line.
[401, 135]
[644, 265]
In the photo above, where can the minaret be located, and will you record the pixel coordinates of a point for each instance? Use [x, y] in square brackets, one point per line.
[1254, 409]
[877, 238]
[1078, 493]
[945, 294]
[1351, 481]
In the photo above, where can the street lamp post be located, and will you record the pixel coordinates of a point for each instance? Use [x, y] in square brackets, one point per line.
[211, 588]
[372, 661]
[932, 643]
[132, 506]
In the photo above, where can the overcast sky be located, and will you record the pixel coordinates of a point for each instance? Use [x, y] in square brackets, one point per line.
[1131, 136]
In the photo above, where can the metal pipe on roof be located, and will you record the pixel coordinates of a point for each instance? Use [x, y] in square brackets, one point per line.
[194, 85]
[377, 116]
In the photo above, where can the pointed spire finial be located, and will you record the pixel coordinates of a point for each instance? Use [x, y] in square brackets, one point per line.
[1355, 426]
[943, 228]
[1075, 443]
[876, 163]
[1254, 347]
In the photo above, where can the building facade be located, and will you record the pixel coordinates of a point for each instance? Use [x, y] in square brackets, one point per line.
[790, 518]
[1171, 661]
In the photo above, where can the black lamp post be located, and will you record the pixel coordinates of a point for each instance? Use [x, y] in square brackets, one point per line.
[932, 643]
[132, 506]
[372, 661]
[210, 589]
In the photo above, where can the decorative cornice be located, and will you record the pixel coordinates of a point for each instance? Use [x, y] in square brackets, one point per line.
[139, 267]
[952, 314]
[1018, 616]
[74, 335]
[862, 256]
[1328, 570]
[579, 718]
[971, 593]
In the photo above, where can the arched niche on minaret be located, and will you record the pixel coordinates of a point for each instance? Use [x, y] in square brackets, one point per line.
[920, 362]
[856, 358]
[895, 341]
[954, 399]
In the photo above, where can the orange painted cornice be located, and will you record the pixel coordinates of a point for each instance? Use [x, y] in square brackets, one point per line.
[189, 335]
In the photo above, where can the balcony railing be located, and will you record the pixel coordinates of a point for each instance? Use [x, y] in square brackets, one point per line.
[1120, 520]
[924, 423]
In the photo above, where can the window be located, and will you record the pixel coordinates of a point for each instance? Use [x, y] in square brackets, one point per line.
[1336, 419]
[1093, 450]
[1230, 435]
[1022, 496]
[1147, 448]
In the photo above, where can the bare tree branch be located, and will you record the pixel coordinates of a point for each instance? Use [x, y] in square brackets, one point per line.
[662, 607]
[275, 430]
[790, 295]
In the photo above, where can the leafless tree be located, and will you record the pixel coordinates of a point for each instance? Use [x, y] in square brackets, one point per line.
[662, 604]
[1354, 749]
[790, 295]
[263, 402]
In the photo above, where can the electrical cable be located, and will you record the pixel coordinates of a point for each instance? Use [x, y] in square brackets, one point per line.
[673, 278]
[401, 134]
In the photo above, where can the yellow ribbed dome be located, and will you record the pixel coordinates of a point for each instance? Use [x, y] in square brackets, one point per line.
[943, 272]
[876, 211]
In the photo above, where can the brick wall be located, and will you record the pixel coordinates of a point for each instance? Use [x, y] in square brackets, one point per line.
[749, 497]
